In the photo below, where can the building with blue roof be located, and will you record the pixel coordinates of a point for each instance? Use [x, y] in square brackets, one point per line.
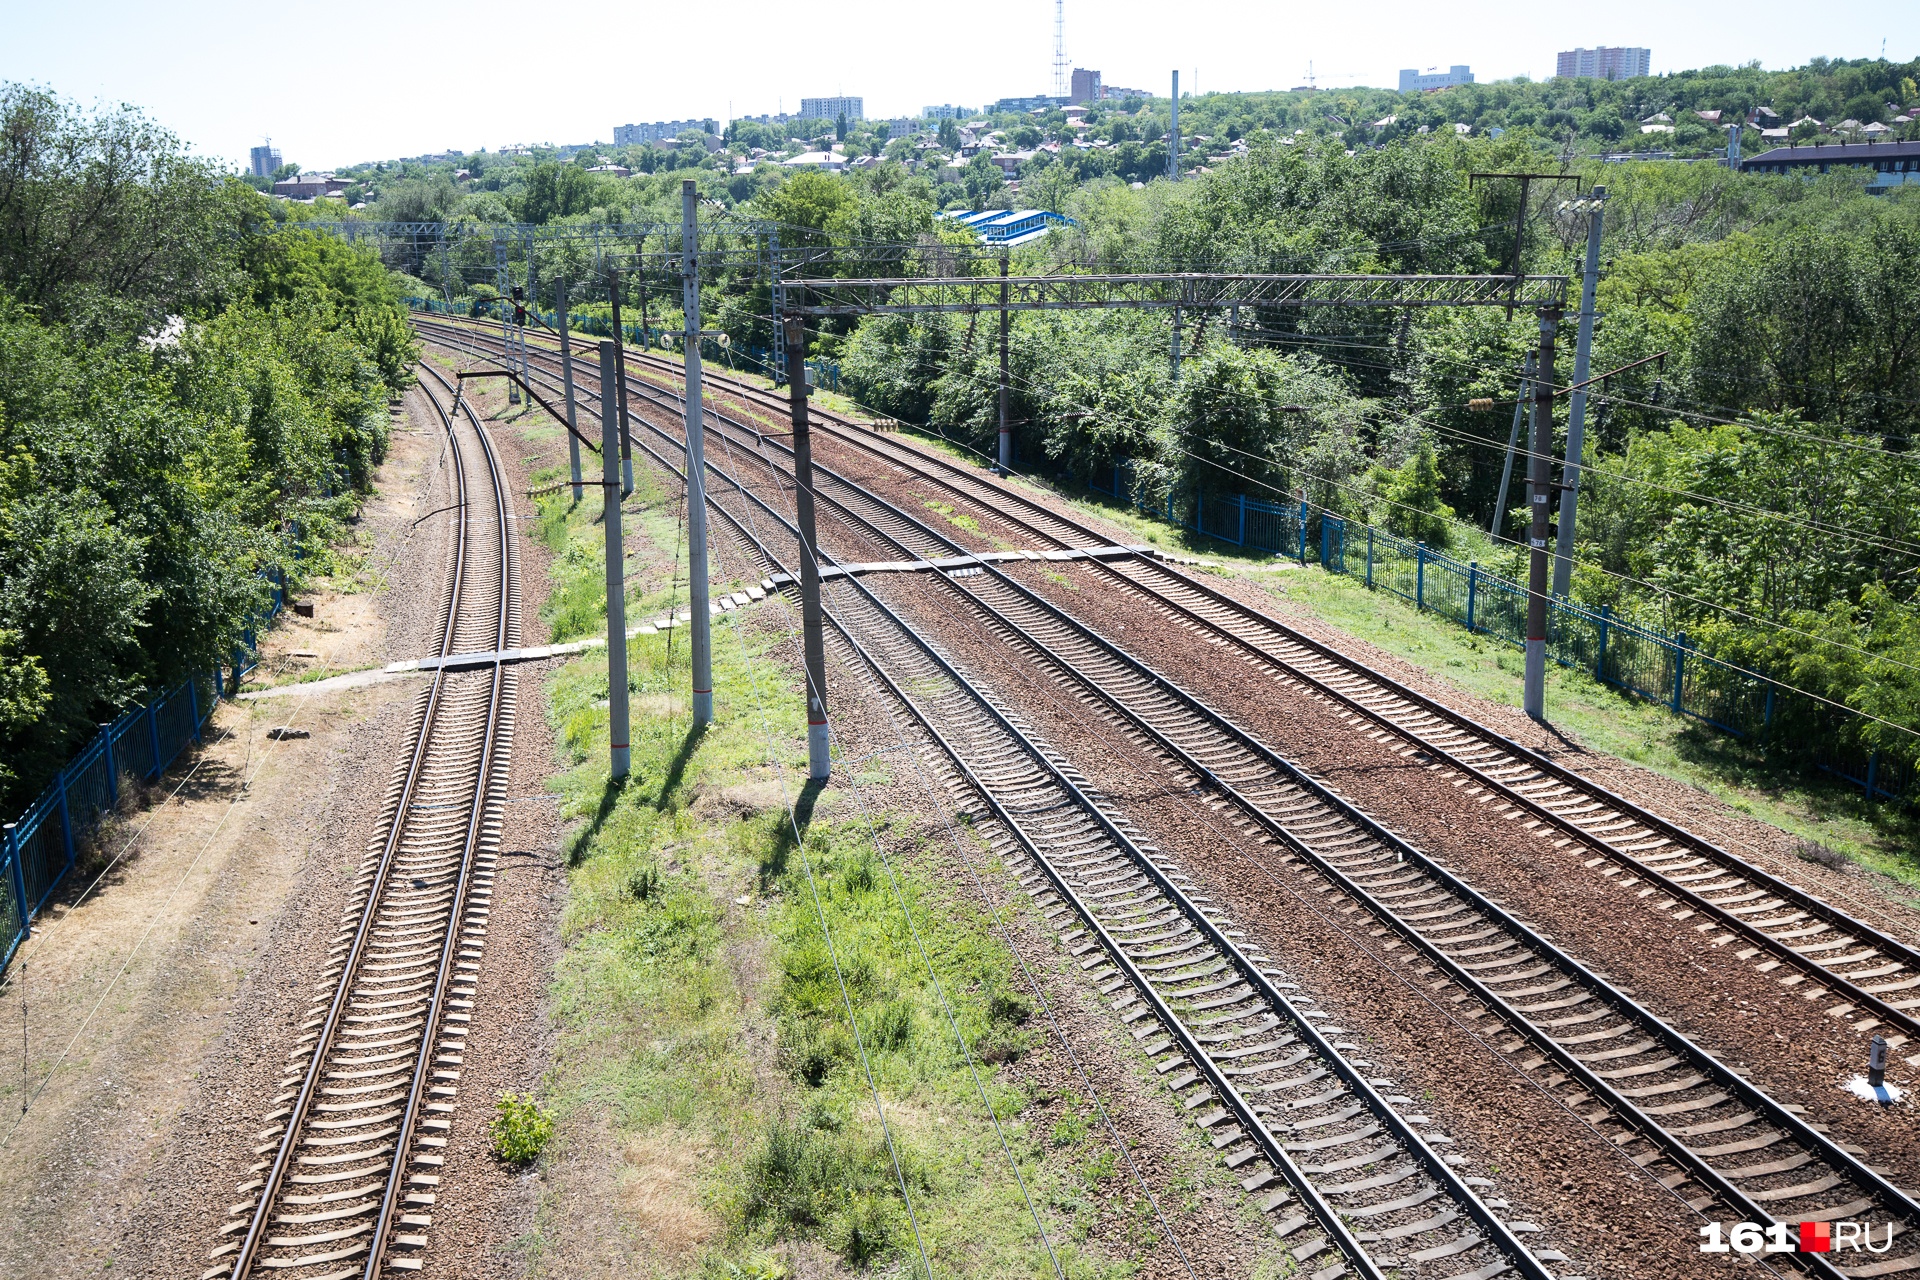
[1008, 226]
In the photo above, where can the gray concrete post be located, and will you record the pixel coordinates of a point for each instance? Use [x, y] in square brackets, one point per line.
[618, 728]
[1577, 412]
[566, 377]
[696, 460]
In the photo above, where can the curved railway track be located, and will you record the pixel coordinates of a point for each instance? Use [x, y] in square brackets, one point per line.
[355, 1144]
[1670, 1106]
[1675, 1110]
[1856, 964]
[1343, 1174]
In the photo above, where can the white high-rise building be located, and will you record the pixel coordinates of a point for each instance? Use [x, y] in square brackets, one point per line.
[832, 109]
[1412, 81]
[1603, 63]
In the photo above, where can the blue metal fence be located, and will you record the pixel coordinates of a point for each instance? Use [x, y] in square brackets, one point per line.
[38, 849]
[1643, 660]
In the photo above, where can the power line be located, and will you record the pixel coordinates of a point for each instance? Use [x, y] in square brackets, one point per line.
[1651, 586]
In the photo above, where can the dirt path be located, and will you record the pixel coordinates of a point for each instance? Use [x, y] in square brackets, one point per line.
[132, 994]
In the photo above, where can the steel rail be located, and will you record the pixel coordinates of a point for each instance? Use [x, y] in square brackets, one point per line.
[1435, 1167]
[483, 786]
[1697, 1059]
[270, 1184]
[1631, 847]
[1683, 1155]
[268, 1189]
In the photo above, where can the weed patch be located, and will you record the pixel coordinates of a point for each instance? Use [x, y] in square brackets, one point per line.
[700, 1002]
[519, 1130]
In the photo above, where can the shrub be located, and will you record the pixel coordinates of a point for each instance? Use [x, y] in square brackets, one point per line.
[520, 1130]
[811, 1180]
[643, 884]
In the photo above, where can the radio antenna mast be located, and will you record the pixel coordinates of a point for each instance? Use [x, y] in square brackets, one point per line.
[1060, 48]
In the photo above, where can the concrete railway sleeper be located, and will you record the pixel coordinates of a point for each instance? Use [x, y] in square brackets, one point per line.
[356, 1143]
[1663, 1092]
[1342, 1174]
[1595, 1034]
[1859, 965]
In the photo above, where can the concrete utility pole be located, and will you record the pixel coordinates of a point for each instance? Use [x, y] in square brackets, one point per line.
[1173, 133]
[812, 621]
[640, 275]
[620, 388]
[696, 461]
[1539, 485]
[502, 281]
[1577, 414]
[1175, 350]
[1513, 444]
[618, 730]
[1006, 428]
[517, 354]
[566, 378]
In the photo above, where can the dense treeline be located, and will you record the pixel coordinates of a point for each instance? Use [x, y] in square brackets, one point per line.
[1756, 488]
[1126, 139]
[186, 401]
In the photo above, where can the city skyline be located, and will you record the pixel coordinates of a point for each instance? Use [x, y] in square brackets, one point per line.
[204, 78]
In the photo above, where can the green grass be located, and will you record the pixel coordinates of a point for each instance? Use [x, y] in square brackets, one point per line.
[1604, 719]
[1881, 837]
[693, 938]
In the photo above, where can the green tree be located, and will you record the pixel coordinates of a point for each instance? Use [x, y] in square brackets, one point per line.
[807, 202]
[110, 212]
[982, 179]
[558, 191]
[1410, 495]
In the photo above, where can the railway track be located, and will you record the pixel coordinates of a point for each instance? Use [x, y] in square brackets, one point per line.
[355, 1144]
[1863, 971]
[1345, 1177]
[1690, 1122]
[1676, 1111]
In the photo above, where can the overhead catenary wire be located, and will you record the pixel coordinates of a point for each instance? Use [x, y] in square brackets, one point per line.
[913, 927]
[1651, 586]
[1657, 588]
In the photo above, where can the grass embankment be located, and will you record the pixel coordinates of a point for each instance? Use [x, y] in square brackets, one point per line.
[1881, 837]
[709, 1088]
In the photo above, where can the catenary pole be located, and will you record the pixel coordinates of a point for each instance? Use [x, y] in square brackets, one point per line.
[1513, 445]
[1173, 133]
[617, 726]
[517, 352]
[566, 378]
[1577, 411]
[640, 280]
[503, 283]
[1006, 428]
[1538, 487]
[620, 389]
[697, 584]
[811, 618]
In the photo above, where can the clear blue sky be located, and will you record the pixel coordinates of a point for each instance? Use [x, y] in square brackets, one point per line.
[350, 81]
